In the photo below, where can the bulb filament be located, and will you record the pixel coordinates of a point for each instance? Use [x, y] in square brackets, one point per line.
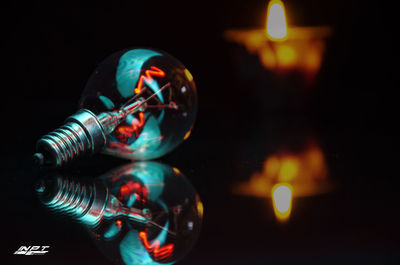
[148, 77]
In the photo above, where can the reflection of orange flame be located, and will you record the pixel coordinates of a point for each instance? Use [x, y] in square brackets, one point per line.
[200, 207]
[282, 200]
[305, 171]
[187, 134]
[276, 21]
[286, 175]
[188, 75]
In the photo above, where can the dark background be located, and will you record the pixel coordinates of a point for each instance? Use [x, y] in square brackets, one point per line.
[50, 53]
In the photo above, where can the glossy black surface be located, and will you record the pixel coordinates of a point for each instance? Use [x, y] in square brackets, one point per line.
[352, 112]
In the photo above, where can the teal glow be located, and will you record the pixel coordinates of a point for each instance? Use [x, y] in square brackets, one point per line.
[151, 174]
[112, 231]
[162, 236]
[133, 252]
[107, 102]
[131, 201]
[80, 213]
[161, 117]
[129, 71]
[150, 138]
[129, 119]
[156, 89]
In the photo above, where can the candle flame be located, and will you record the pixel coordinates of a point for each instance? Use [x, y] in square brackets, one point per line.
[282, 200]
[276, 21]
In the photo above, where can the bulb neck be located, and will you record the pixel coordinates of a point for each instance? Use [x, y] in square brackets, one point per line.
[82, 133]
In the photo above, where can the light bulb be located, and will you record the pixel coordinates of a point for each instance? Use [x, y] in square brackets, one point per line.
[137, 104]
[147, 211]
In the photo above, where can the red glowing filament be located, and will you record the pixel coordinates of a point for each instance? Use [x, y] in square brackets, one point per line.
[158, 253]
[125, 132]
[141, 193]
[148, 77]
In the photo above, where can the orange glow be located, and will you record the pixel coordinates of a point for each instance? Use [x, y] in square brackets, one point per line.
[286, 55]
[176, 171]
[134, 188]
[187, 134]
[301, 51]
[272, 166]
[148, 77]
[200, 207]
[268, 58]
[286, 175]
[282, 195]
[118, 223]
[158, 253]
[293, 49]
[289, 168]
[141, 119]
[188, 75]
[276, 27]
[305, 171]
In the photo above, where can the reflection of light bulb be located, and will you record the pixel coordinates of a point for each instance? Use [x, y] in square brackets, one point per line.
[138, 104]
[148, 209]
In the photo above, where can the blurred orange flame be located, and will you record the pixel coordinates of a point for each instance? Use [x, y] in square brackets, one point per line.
[286, 175]
[281, 48]
[305, 171]
[276, 28]
[200, 207]
[282, 195]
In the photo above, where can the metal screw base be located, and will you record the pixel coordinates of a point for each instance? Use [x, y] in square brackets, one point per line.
[83, 133]
[84, 202]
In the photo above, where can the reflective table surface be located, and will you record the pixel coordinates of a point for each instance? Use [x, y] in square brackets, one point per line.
[309, 179]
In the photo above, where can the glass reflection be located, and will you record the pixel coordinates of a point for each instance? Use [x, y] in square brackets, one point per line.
[140, 213]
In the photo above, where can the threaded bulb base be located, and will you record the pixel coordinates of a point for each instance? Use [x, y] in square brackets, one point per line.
[83, 133]
[84, 202]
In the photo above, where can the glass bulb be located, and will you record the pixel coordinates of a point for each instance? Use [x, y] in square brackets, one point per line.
[141, 213]
[137, 104]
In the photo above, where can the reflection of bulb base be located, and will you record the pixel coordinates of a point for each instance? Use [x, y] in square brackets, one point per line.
[85, 202]
[88, 202]
[82, 133]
